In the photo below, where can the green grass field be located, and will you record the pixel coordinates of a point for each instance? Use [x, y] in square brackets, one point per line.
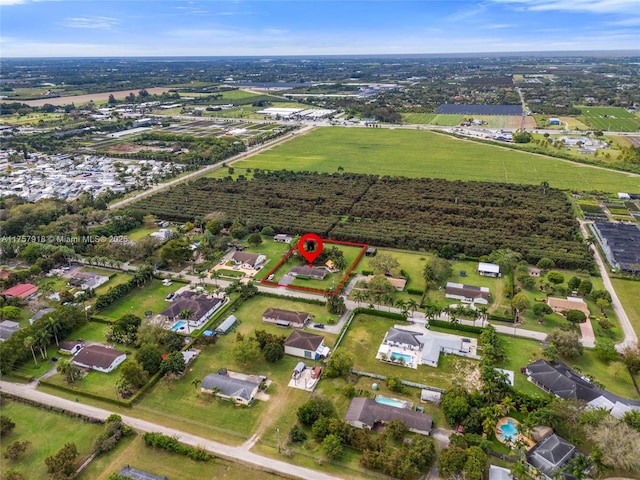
[426, 154]
[48, 432]
[609, 118]
[627, 291]
[133, 452]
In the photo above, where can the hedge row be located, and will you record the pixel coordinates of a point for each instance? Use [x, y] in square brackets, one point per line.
[414, 291]
[456, 326]
[51, 408]
[312, 301]
[380, 313]
[171, 444]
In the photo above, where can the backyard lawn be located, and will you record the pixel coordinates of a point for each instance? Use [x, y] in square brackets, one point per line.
[48, 432]
[150, 297]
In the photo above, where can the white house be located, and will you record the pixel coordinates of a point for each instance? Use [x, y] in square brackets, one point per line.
[467, 293]
[488, 269]
[248, 260]
[99, 358]
[305, 345]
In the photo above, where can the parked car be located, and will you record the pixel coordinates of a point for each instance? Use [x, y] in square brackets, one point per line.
[318, 325]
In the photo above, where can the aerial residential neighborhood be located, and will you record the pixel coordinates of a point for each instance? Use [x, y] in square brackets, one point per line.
[320, 240]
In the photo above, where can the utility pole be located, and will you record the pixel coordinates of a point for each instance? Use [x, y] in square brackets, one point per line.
[278, 438]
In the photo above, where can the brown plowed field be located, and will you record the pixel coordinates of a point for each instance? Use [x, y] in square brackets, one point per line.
[79, 99]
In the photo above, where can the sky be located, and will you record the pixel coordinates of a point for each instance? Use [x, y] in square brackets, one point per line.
[106, 28]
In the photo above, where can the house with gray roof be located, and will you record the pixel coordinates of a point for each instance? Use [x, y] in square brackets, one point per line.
[306, 271]
[8, 328]
[550, 455]
[560, 380]
[367, 413]
[201, 307]
[230, 388]
[136, 474]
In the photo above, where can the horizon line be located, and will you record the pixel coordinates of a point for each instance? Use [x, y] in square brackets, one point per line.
[609, 52]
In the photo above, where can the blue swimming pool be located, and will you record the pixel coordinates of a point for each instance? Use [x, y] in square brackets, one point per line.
[509, 431]
[405, 358]
[392, 402]
[178, 325]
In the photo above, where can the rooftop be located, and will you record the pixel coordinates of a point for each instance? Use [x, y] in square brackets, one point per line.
[304, 340]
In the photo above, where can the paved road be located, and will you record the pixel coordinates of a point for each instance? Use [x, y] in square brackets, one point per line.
[241, 454]
[630, 337]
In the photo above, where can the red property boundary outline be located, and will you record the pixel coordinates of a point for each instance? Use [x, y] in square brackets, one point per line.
[315, 290]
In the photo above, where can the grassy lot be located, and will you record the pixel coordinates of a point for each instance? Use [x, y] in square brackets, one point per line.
[375, 150]
[151, 297]
[330, 282]
[47, 432]
[274, 251]
[609, 118]
[180, 403]
[96, 383]
[133, 452]
[140, 232]
[627, 291]
[614, 375]
[422, 118]
[251, 312]
[412, 263]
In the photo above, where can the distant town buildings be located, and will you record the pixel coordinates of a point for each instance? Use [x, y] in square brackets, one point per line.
[67, 177]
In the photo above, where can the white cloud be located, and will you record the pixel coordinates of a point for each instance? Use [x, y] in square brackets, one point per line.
[588, 6]
[496, 26]
[91, 22]
[4, 3]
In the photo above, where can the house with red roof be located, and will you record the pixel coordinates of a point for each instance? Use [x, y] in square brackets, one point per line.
[22, 290]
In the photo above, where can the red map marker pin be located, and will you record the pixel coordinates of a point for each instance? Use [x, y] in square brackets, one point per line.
[307, 241]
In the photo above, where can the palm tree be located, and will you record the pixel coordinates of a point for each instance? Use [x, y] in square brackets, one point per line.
[41, 340]
[54, 326]
[544, 186]
[388, 300]
[196, 382]
[413, 305]
[28, 344]
[186, 313]
[215, 275]
[358, 296]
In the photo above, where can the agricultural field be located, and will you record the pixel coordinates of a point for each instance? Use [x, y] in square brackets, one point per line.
[609, 118]
[413, 153]
[473, 218]
[47, 433]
